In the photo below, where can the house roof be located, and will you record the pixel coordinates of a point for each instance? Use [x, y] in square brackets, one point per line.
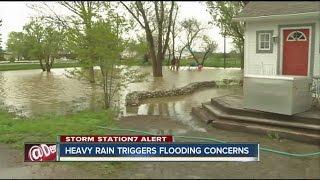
[268, 8]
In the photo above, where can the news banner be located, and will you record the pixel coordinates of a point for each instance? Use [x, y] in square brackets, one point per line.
[137, 148]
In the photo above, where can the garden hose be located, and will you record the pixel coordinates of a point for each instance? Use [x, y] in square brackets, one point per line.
[219, 141]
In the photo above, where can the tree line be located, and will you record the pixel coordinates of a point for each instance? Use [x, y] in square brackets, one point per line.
[157, 19]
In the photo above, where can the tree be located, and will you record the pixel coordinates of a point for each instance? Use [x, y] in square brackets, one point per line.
[38, 40]
[52, 46]
[45, 42]
[80, 22]
[140, 47]
[17, 45]
[154, 15]
[105, 48]
[0, 33]
[173, 31]
[222, 13]
[1, 50]
[208, 46]
[85, 12]
[192, 28]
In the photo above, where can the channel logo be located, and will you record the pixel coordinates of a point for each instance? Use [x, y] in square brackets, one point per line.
[40, 152]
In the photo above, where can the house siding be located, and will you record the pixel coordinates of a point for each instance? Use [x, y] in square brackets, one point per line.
[267, 63]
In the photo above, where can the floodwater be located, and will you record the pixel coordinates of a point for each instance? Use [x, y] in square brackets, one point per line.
[180, 107]
[33, 92]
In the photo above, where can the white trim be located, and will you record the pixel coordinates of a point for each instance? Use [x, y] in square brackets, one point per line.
[302, 34]
[258, 152]
[245, 49]
[259, 41]
[169, 159]
[317, 13]
[281, 46]
[281, 77]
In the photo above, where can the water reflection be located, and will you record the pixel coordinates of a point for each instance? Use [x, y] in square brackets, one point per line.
[180, 107]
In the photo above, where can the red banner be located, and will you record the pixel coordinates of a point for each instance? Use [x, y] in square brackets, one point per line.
[115, 138]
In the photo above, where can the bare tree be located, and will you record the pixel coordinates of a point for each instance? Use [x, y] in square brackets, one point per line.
[192, 28]
[174, 34]
[208, 47]
[151, 15]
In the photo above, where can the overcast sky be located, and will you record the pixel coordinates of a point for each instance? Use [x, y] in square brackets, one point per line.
[15, 14]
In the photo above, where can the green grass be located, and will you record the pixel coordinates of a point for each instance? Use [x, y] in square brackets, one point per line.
[215, 61]
[20, 66]
[16, 131]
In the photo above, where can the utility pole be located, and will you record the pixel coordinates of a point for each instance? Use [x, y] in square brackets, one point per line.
[224, 47]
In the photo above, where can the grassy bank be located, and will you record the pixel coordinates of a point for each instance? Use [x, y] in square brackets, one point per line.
[25, 66]
[16, 131]
[214, 61]
[210, 62]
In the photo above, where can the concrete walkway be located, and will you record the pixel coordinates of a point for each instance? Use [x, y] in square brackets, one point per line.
[227, 112]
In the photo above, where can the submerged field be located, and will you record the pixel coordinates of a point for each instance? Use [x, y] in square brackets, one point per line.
[26, 66]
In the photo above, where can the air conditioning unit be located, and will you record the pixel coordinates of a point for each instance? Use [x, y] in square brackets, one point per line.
[280, 94]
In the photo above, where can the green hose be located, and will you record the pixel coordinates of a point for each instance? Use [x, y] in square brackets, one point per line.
[216, 140]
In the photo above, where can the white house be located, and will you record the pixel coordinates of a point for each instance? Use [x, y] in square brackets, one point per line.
[282, 37]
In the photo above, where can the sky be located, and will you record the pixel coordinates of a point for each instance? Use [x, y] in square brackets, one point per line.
[15, 14]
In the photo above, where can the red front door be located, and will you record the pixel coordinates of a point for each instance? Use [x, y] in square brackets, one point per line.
[295, 52]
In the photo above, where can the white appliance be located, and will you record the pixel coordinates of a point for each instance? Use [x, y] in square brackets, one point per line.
[280, 94]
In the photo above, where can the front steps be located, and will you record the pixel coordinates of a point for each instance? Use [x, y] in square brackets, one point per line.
[227, 113]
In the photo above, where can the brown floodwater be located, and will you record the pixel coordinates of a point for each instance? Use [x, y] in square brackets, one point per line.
[180, 107]
[33, 92]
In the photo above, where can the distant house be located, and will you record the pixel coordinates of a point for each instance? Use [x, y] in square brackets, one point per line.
[282, 37]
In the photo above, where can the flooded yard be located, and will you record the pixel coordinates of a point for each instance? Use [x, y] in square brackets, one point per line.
[32, 92]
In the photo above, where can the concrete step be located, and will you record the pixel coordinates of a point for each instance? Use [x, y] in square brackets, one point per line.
[260, 114]
[297, 135]
[220, 114]
[202, 114]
